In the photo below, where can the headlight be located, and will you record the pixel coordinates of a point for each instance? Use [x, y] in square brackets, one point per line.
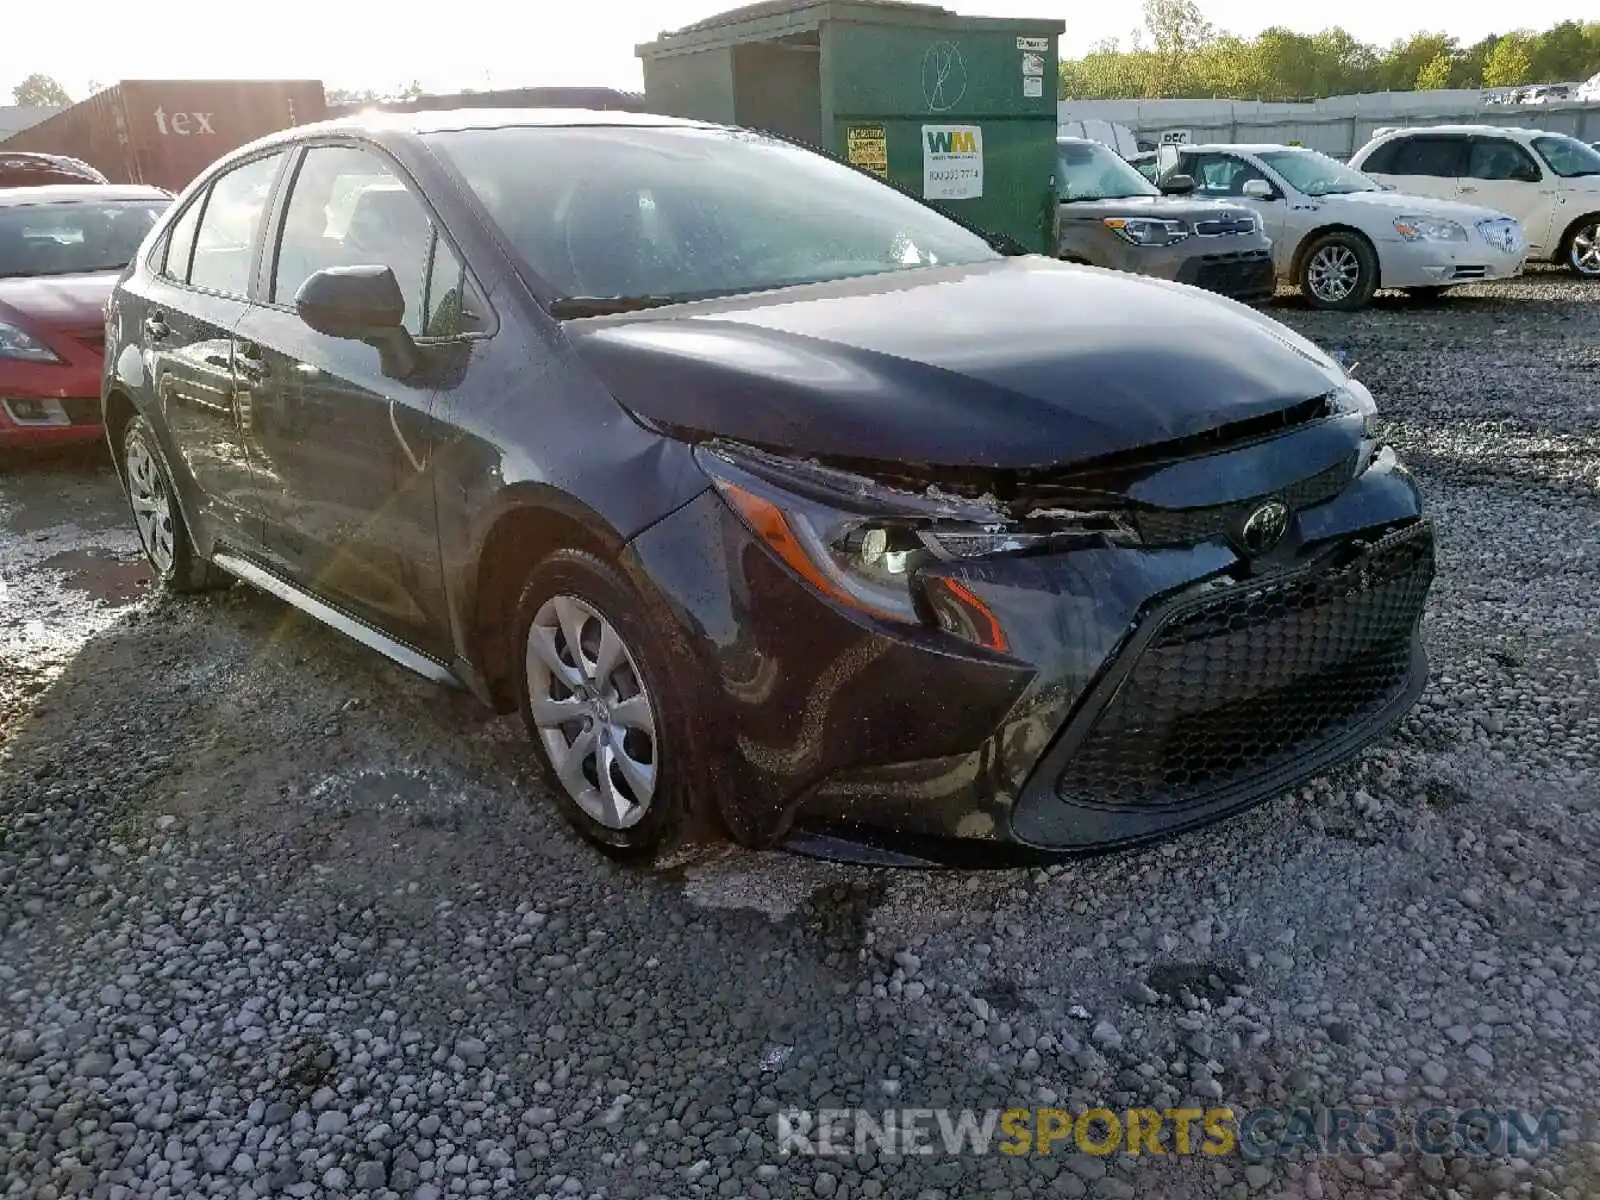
[865, 545]
[1147, 231]
[1429, 229]
[1352, 399]
[17, 343]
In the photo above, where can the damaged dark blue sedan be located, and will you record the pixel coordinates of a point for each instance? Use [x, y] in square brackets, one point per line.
[773, 498]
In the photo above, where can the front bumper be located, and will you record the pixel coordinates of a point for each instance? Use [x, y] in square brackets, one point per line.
[48, 420]
[1403, 264]
[1145, 690]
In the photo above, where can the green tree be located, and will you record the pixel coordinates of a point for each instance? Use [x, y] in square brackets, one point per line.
[1508, 63]
[40, 90]
[1435, 74]
[1564, 52]
[1407, 58]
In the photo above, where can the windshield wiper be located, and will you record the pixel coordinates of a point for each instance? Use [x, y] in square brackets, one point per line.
[568, 307]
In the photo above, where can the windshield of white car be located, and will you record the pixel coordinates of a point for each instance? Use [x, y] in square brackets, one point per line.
[76, 237]
[1094, 172]
[1568, 157]
[1316, 174]
[669, 213]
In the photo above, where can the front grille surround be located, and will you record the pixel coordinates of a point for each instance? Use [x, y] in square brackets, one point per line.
[1224, 694]
[1187, 526]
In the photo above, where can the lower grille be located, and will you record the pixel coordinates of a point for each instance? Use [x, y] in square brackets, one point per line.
[1469, 273]
[1234, 686]
[1248, 272]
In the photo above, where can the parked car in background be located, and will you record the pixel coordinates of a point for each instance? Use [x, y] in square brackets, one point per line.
[766, 492]
[1339, 236]
[1112, 216]
[61, 249]
[1147, 163]
[1550, 182]
[23, 169]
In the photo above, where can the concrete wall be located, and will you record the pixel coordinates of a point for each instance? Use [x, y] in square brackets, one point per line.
[1338, 126]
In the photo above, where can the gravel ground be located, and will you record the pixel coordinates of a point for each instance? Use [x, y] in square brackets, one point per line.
[278, 919]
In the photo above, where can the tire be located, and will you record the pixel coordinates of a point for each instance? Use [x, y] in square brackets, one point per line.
[158, 517]
[1338, 271]
[573, 589]
[1580, 249]
[1427, 295]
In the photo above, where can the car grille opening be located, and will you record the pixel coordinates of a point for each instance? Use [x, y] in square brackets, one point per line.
[1469, 272]
[1242, 272]
[1235, 685]
[1224, 226]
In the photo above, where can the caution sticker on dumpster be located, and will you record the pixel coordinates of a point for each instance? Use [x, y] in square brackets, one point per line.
[952, 162]
[867, 146]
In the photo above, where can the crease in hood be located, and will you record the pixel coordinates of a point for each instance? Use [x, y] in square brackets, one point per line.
[1021, 363]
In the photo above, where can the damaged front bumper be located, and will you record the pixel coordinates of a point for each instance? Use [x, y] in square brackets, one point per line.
[1110, 694]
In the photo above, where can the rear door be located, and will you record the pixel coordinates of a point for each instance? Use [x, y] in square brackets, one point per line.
[194, 302]
[1421, 164]
[1502, 174]
[346, 447]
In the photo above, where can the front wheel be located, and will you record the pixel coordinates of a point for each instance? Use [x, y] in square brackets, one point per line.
[158, 518]
[604, 699]
[1583, 248]
[1339, 271]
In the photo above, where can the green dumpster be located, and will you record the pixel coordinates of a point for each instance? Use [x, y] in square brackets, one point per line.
[958, 110]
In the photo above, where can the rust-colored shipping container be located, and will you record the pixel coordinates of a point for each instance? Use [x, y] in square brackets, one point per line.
[166, 131]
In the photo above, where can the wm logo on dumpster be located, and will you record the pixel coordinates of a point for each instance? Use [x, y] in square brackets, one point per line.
[952, 141]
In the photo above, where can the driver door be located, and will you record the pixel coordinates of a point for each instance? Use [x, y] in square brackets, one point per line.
[1502, 175]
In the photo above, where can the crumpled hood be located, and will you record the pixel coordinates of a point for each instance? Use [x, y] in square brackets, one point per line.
[1012, 364]
[56, 302]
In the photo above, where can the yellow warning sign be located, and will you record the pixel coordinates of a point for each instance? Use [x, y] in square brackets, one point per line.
[867, 146]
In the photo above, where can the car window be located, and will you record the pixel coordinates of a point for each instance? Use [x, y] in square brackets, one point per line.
[1501, 159]
[1219, 174]
[180, 241]
[1092, 172]
[1568, 157]
[624, 211]
[1315, 174]
[348, 207]
[451, 304]
[1381, 160]
[225, 242]
[1440, 157]
[73, 237]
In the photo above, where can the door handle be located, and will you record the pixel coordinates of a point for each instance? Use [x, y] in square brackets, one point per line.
[156, 327]
[1466, 190]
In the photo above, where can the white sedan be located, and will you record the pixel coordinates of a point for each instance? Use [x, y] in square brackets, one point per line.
[1339, 235]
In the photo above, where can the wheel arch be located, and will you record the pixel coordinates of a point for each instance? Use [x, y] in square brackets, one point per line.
[1564, 245]
[531, 522]
[1310, 239]
[119, 411]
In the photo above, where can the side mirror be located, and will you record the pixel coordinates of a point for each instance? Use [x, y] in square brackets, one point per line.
[1256, 189]
[352, 302]
[1177, 185]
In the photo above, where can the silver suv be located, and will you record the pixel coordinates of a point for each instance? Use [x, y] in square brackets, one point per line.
[1112, 216]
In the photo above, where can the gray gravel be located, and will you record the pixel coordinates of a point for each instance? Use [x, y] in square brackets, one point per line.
[277, 919]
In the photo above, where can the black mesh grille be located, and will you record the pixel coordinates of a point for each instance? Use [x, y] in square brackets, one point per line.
[1234, 686]
[1248, 272]
[1225, 225]
[1185, 526]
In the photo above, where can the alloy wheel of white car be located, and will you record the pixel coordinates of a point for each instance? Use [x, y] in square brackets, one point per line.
[1333, 273]
[1583, 251]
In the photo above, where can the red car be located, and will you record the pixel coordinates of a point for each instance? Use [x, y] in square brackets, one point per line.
[61, 250]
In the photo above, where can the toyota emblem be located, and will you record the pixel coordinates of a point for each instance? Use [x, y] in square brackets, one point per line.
[1265, 527]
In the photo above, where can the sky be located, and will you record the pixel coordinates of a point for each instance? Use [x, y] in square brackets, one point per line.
[521, 43]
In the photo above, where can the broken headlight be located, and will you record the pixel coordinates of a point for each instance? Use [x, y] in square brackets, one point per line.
[1351, 399]
[864, 544]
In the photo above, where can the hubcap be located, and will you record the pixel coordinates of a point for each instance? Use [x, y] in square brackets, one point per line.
[1333, 273]
[591, 710]
[152, 509]
[1586, 250]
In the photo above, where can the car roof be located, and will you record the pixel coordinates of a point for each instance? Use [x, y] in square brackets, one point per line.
[69, 193]
[1247, 147]
[1475, 129]
[438, 120]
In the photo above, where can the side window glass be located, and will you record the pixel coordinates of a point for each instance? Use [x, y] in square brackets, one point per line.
[1381, 160]
[348, 208]
[453, 308]
[180, 241]
[226, 240]
[1499, 159]
[1438, 157]
[1223, 175]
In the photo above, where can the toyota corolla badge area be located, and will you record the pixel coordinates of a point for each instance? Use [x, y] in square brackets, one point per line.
[767, 494]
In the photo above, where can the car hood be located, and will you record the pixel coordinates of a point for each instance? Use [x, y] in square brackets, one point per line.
[1381, 203]
[1014, 364]
[54, 302]
[1168, 207]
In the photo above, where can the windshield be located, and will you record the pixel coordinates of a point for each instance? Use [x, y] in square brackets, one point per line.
[616, 211]
[1094, 172]
[73, 237]
[1568, 157]
[1316, 174]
